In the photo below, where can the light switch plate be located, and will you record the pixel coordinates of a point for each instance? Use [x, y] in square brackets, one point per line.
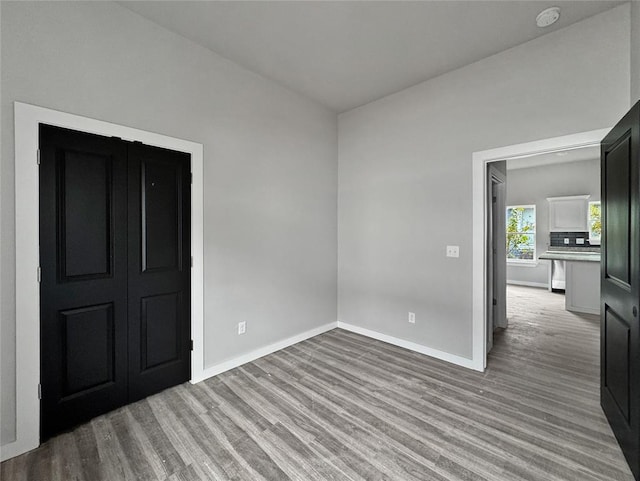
[566, 241]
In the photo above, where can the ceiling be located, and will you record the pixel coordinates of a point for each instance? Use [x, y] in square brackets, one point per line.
[344, 54]
[564, 156]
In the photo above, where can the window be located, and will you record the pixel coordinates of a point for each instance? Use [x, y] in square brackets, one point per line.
[521, 233]
[595, 223]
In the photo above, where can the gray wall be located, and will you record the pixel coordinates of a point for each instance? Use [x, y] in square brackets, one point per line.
[405, 171]
[635, 51]
[533, 186]
[270, 163]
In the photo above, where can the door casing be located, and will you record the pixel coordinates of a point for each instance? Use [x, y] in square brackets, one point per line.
[479, 161]
[27, 119]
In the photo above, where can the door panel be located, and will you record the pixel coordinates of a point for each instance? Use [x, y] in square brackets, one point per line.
[620, 284]
[83, 259]
[161, 215]
[617, 176]
[115, 260]
[159, 269]
[84, 186]
[616, 374]
[161, 335]
[87, 348]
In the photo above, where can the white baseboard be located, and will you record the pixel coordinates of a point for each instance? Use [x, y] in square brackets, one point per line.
[412, 346]
[529, 284]
[16, 448]
[276, 346]
[216, 369]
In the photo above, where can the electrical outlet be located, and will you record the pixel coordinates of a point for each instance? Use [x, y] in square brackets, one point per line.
[566, 241]
[580, 241]
[412, 317]
[453, 251]
[242, 327]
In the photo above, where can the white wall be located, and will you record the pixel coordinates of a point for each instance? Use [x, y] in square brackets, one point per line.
[270, 163]
[635, 51]
[533, 186]
[405, 171]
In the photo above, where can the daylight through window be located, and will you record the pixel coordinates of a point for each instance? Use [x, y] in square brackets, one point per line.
[595, 223]
[521, 233]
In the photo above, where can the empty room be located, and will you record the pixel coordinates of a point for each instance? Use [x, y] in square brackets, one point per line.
[319, 240]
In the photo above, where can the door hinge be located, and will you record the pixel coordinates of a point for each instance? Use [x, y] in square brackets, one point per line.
[39, 274]
[495, 302]
[191, 177]
[39, 391]
[38, 156]
[495, 199]
[191, 261]
[191, 345]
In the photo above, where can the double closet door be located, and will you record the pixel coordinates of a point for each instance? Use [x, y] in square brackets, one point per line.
[115, 274]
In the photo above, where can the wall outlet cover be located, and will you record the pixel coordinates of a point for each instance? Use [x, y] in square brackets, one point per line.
[453, 251]
[242, 327]
[412, 317]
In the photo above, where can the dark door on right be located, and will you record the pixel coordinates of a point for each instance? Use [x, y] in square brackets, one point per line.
[115, 261]
[620, 284]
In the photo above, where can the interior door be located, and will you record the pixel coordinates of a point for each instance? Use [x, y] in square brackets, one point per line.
[115, 283]
[159, 269]
[83, 261]
[620, 284]
[491, 262]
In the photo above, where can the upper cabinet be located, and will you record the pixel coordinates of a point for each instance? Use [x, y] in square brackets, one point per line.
[568, 214]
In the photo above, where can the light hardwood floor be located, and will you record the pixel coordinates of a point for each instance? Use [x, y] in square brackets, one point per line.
[344, 407]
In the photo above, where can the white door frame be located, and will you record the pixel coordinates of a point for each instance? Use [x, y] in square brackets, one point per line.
[479, 233]
[27, 120]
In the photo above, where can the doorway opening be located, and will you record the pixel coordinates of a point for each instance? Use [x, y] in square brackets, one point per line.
[552, 231]
[483, 263]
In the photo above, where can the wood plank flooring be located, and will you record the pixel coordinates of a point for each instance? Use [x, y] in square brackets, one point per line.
[344, 407]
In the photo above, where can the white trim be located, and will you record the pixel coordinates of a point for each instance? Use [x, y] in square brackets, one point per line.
[528, 284]
[412, 346]
[522, 263]
[479, 161]
[584, 310]
[569, 197]
[261, 352]
[27, 120]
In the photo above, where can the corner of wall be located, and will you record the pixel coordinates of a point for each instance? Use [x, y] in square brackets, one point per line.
[635, 52]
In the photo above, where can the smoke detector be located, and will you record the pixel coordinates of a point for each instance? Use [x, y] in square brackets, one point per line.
[548, 17]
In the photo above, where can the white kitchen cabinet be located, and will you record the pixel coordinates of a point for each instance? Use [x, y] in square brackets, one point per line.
[568, 214]
[582, 292]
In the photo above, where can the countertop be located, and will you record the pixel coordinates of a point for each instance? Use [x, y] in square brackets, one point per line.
[570, 256]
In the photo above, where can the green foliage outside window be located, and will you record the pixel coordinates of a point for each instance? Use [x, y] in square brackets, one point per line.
[595, 221]
[521, 232]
